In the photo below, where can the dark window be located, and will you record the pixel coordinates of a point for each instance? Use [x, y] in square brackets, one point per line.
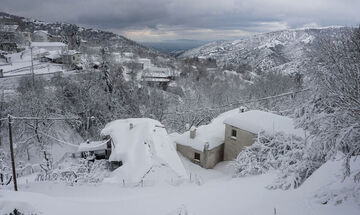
[197, 156]
[233, 133]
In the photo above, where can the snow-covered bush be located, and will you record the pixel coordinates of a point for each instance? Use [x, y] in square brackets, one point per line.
[4, 168]
[281, 152]
[83, 171]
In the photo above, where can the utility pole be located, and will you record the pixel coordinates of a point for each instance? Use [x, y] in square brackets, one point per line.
[10, 121]
[32, 65]
[12, 153]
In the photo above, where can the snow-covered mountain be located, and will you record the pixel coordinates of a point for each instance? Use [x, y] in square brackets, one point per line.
[280, 49]
[85, 36]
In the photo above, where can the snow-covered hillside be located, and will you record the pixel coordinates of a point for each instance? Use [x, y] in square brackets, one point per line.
[280, 49]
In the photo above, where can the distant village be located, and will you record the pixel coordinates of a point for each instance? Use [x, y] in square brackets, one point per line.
[22, 51]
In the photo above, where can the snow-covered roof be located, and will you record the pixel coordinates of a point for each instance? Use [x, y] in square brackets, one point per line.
[212, 134]
[53, 55]
[48, 44]
[71, 52]
[141, 143]
[9, 27]
[92, 146]
[149, 79]
[255, 121]
[41, 32]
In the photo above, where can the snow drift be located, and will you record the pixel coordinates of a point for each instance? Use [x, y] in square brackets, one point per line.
[142, 145]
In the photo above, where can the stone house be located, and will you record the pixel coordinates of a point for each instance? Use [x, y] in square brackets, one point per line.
[241, 129]
[71, 57]
[206, 157]
[228, 134]
[204, 145]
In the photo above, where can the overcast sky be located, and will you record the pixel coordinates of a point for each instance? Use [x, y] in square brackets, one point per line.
[156, 20]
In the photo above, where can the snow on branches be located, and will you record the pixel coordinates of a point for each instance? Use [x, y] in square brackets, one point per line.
[281, 152]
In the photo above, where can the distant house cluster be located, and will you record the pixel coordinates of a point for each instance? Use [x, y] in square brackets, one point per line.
[145, 70]
[46, 47]
[56, 52]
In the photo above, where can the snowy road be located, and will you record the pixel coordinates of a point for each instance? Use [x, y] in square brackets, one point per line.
[219, 194]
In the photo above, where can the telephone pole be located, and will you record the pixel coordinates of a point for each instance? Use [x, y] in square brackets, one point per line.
[32, 65]
[12, 153]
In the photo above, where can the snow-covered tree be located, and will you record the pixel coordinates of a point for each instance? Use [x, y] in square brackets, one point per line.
[4, 168]
[332, 115]
[285, 154]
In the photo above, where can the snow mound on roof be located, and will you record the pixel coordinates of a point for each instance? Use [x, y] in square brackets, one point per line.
[141, 144]
[255, 121]
[212, 134]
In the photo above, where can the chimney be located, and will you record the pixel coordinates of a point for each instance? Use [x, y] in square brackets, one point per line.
[242, 109]
[131, 126]
[192, 133]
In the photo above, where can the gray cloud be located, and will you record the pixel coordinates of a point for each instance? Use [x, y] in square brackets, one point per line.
[197, 19]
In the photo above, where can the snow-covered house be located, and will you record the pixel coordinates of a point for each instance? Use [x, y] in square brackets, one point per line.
[71, 57]
[50, 46]
[242, 128]
[209, 144]
[204, 145]
[40, 36]
[9, 27]
[141, 145]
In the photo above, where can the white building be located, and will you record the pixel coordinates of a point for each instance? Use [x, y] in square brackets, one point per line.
[50, 46]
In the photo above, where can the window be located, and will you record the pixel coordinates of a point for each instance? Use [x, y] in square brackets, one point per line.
[233, 133]
[197, 156]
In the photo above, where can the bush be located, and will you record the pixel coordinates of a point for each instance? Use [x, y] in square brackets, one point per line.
[284, 153]
[84, 171]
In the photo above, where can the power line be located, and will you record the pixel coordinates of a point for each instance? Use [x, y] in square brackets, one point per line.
[54, 138]
[45, 118]
[241, 102]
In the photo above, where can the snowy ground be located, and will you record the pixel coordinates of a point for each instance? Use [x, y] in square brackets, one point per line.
[215, 192]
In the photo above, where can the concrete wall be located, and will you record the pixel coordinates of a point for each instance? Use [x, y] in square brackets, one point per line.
[233, 146]
[189, 152]
[208, 158]
[213, 156]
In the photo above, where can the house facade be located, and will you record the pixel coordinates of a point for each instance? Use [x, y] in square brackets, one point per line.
[236, 140]
[206, 158]
[71, 57]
